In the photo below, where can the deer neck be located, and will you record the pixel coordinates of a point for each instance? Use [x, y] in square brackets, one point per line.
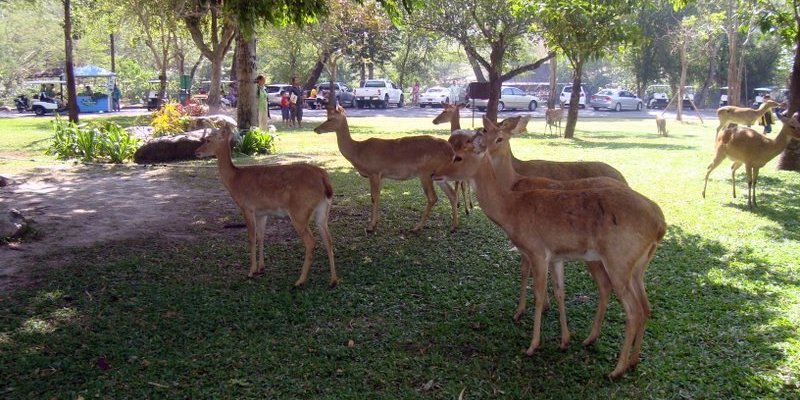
[504, 168]
[455, 121]
[343, 139]
[227, 170]
[781, 141]
[491, 194]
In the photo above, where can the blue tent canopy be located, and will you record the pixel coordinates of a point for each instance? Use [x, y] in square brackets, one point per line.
[92, 70]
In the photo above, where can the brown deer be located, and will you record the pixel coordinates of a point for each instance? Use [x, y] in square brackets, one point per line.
[661, 124]
[613, 225]
[754, 150]
[553, 117]
[451, 113]
[743, 115]
[399, 159]
[298, 190]
[499, 151]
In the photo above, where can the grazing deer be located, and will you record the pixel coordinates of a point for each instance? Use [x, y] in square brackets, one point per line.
[754, 150]
[451, 113]
[661, 124]
[743, 115]
[553, 117]
[399, 159]
[499, 151]
[298, 190]
[615, 226]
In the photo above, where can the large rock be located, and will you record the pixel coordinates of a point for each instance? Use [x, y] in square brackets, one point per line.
[169, 148]
[12, 224]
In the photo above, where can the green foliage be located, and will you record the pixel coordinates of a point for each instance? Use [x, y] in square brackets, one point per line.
[94, 142]
[170, 119]
[255, 141]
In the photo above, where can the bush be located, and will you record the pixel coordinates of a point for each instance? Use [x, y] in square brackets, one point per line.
[256, 141]
[170, 119]
[103, 142]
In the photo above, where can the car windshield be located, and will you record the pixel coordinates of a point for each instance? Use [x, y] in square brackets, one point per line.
[273, 89]
[606, 92]
[434, 90]
[375, 84]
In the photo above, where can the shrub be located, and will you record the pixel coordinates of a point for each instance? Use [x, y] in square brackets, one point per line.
[256, 141]
[195, 110]
[102, 142]
[170, 119]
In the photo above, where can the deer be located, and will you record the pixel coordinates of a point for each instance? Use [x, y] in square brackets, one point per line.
[300, 191]
[743, 115]
[616, 226]
[399, 159]
[451, 113]
[661, 125]
[754, 150]
[499, 152]
[553, 117]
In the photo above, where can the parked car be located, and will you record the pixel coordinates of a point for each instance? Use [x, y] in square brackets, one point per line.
[617, 100]
[379, 93]
[758, 95]
[723, 96]
[274, 93]
[566, 92]
[435, 95]
[511, 98]
[658, 96]
[344, 95]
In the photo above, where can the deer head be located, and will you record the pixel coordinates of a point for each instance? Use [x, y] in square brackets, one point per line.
[450, 110]
[467, 158]
[793, 122]
[336, 118]
[222, 129]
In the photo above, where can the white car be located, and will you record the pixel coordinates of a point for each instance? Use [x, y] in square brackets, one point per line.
[435, 95]
[274, 93]
[566, 93]
[511, 98]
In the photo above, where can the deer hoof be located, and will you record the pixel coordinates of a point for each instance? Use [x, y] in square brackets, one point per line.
[300, 283]
[333, 283]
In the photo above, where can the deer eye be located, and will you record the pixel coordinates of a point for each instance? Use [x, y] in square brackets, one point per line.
[457, 159]
[498, 140]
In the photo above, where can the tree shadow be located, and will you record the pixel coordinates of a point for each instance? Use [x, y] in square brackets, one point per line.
[777, 201]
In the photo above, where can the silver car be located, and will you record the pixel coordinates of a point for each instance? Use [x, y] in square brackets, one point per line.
[511, 98]
[616, 99]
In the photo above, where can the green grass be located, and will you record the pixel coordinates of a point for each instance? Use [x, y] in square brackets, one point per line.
[429, 313]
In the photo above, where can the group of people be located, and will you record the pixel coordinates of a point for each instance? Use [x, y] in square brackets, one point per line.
[292, 101]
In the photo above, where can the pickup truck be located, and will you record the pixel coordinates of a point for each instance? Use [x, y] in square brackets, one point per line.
[378, 93]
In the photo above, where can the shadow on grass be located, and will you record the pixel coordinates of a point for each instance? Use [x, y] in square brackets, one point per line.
[777, 201]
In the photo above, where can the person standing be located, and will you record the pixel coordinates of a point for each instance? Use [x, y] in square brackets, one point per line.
[766, 119]
[415, 94]
[297, 108]
[313, 95]
[116, 94]
[263, 104]
[285, 108]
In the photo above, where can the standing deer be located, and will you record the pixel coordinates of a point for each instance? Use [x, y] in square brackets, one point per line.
[451, 113]
[553, 117]
[615, 226]
[499, 151]
[754, 150]
[661, 124]
[399, 159]
[743, 115]
[298, 190]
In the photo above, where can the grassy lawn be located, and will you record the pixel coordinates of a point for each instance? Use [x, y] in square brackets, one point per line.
[429, 314]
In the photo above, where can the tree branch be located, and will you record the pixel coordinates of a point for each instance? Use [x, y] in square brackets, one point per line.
[530, 67]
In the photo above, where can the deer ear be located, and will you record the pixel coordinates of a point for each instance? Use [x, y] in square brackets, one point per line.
[488, 124]
[520, 126]
[462, 105]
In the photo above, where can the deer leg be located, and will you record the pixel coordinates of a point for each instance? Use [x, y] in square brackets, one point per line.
[539, 271]
[625, 292]
[452, 195]
[755, 183]
[252, 238]
[644, 303]
[524, 270]
[261, 228]
[465, 195]
[557, 278]
[749, 173]
[301, 227]
[375, 195]
[734, 167]
[430, 195]
[598, 272]
[714, 164]
[322, 214]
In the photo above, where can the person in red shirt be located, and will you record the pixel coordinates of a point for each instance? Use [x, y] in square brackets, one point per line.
[285, 104]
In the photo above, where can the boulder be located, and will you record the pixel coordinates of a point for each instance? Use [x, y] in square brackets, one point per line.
[169, 148]
[12, 224]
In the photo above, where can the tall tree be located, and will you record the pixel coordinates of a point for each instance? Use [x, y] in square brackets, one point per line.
[212, 31]
[490, 31]
[583, 30]
[72, 93]
[157, 30]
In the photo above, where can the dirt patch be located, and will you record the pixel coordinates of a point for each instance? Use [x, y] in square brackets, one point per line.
[86, 205]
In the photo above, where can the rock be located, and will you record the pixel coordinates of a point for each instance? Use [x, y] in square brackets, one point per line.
[5, 181]
[12, 224]
[169, 148]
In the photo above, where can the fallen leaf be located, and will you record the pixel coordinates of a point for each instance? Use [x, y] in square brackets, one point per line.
[428, 385]
[351, 343]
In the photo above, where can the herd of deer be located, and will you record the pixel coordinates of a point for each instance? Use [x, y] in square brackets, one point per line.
[551, 211]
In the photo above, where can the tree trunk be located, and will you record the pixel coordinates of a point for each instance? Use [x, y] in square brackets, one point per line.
[734, 89]
[315, 73]
[476, 68]
[233, 65]
[113, 54]
[214, 92]
[551, 97]
[72, 100]
[701, 98]
[574, 101]
[790, 158]
[247, 105]
[496, 85]
[371, 70]
[682, 80]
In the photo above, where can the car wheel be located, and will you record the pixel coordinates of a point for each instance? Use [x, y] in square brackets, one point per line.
[400, 103]
[596, 108]
[481, 109]
[639, 106]
[359, 104]
[500, 106]
[532, 105]
[39, 110]
[618, 107]
[421, 105]
[385, 103]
